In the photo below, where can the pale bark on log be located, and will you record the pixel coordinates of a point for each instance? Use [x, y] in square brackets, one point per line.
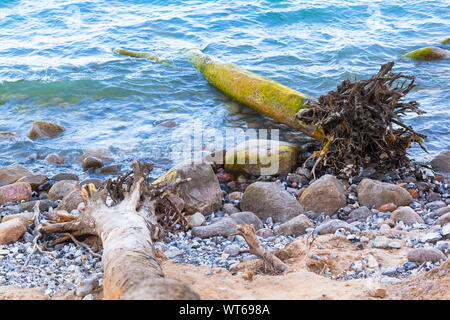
[131, 270]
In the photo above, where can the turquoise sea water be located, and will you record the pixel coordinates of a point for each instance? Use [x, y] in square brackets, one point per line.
[57, 64]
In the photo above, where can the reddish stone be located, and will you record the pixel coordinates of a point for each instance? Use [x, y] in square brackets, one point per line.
[237, 195]
[387, 207]
[176, 201]
[413, 192]
[224, 177]
[264, 233]
[15, 192]
[12, 230]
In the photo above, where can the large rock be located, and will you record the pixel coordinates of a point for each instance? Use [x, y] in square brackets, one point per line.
[202, 193]
[425, 254]
[15, 192]
[297, 225]
[10, 175]
[12, 230]
[441, 162]
[331, 226]
[376, 193]
[268, 199]
[428, 54]
[71, 201]
[443, 219]
[61, 188]
[325, 195]
[43, 129]
[407, 215]
[262, 157]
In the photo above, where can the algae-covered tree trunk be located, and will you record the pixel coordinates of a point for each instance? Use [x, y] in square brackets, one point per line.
[267, 96]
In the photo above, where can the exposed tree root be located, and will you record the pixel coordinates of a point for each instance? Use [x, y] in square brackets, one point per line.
[358, 120]
[131, 270]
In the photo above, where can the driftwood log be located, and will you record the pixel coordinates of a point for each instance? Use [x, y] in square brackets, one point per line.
[131, 270]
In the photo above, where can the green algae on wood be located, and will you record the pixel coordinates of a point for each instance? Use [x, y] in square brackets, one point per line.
[428, 54]
[264, 95]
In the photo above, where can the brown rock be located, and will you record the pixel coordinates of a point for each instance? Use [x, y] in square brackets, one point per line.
[65, 176]
[297, 225]
[42, 129]
[102, 154]
[96, 182]
[235, 196]
[376, 193]
[34, 180]
[15, 192]
[55, 158]
[387, 207]
[10, 175]
[229, 208]
[407, 215]
[441, 162]
[326, 195]
[425, 254]
[9, 136]
[71, 201]
[176, 202]
[268, 199]
[378, 293]
[225, 177]
[12, 230]
[112, 169]
[423, 186]
[91, 162]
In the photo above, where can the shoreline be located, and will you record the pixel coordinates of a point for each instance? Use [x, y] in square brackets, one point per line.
[363, 229]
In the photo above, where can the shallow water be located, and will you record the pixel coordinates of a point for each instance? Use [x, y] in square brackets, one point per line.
[57, 64]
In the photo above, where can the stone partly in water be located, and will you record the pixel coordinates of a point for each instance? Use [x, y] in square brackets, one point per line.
[202, 193]
[441, 162]
[9, 136]
[428, 54]
[10, 175]
[297, 225]
[15, 192]
[268, 199]
[407, 215]
[359, 214]
[262, 157]
[326, 195]
[424, 255]
[376, 193]
[91, 162]
[61, 189]
[43, 129]
[12, 230]
[331, 226]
